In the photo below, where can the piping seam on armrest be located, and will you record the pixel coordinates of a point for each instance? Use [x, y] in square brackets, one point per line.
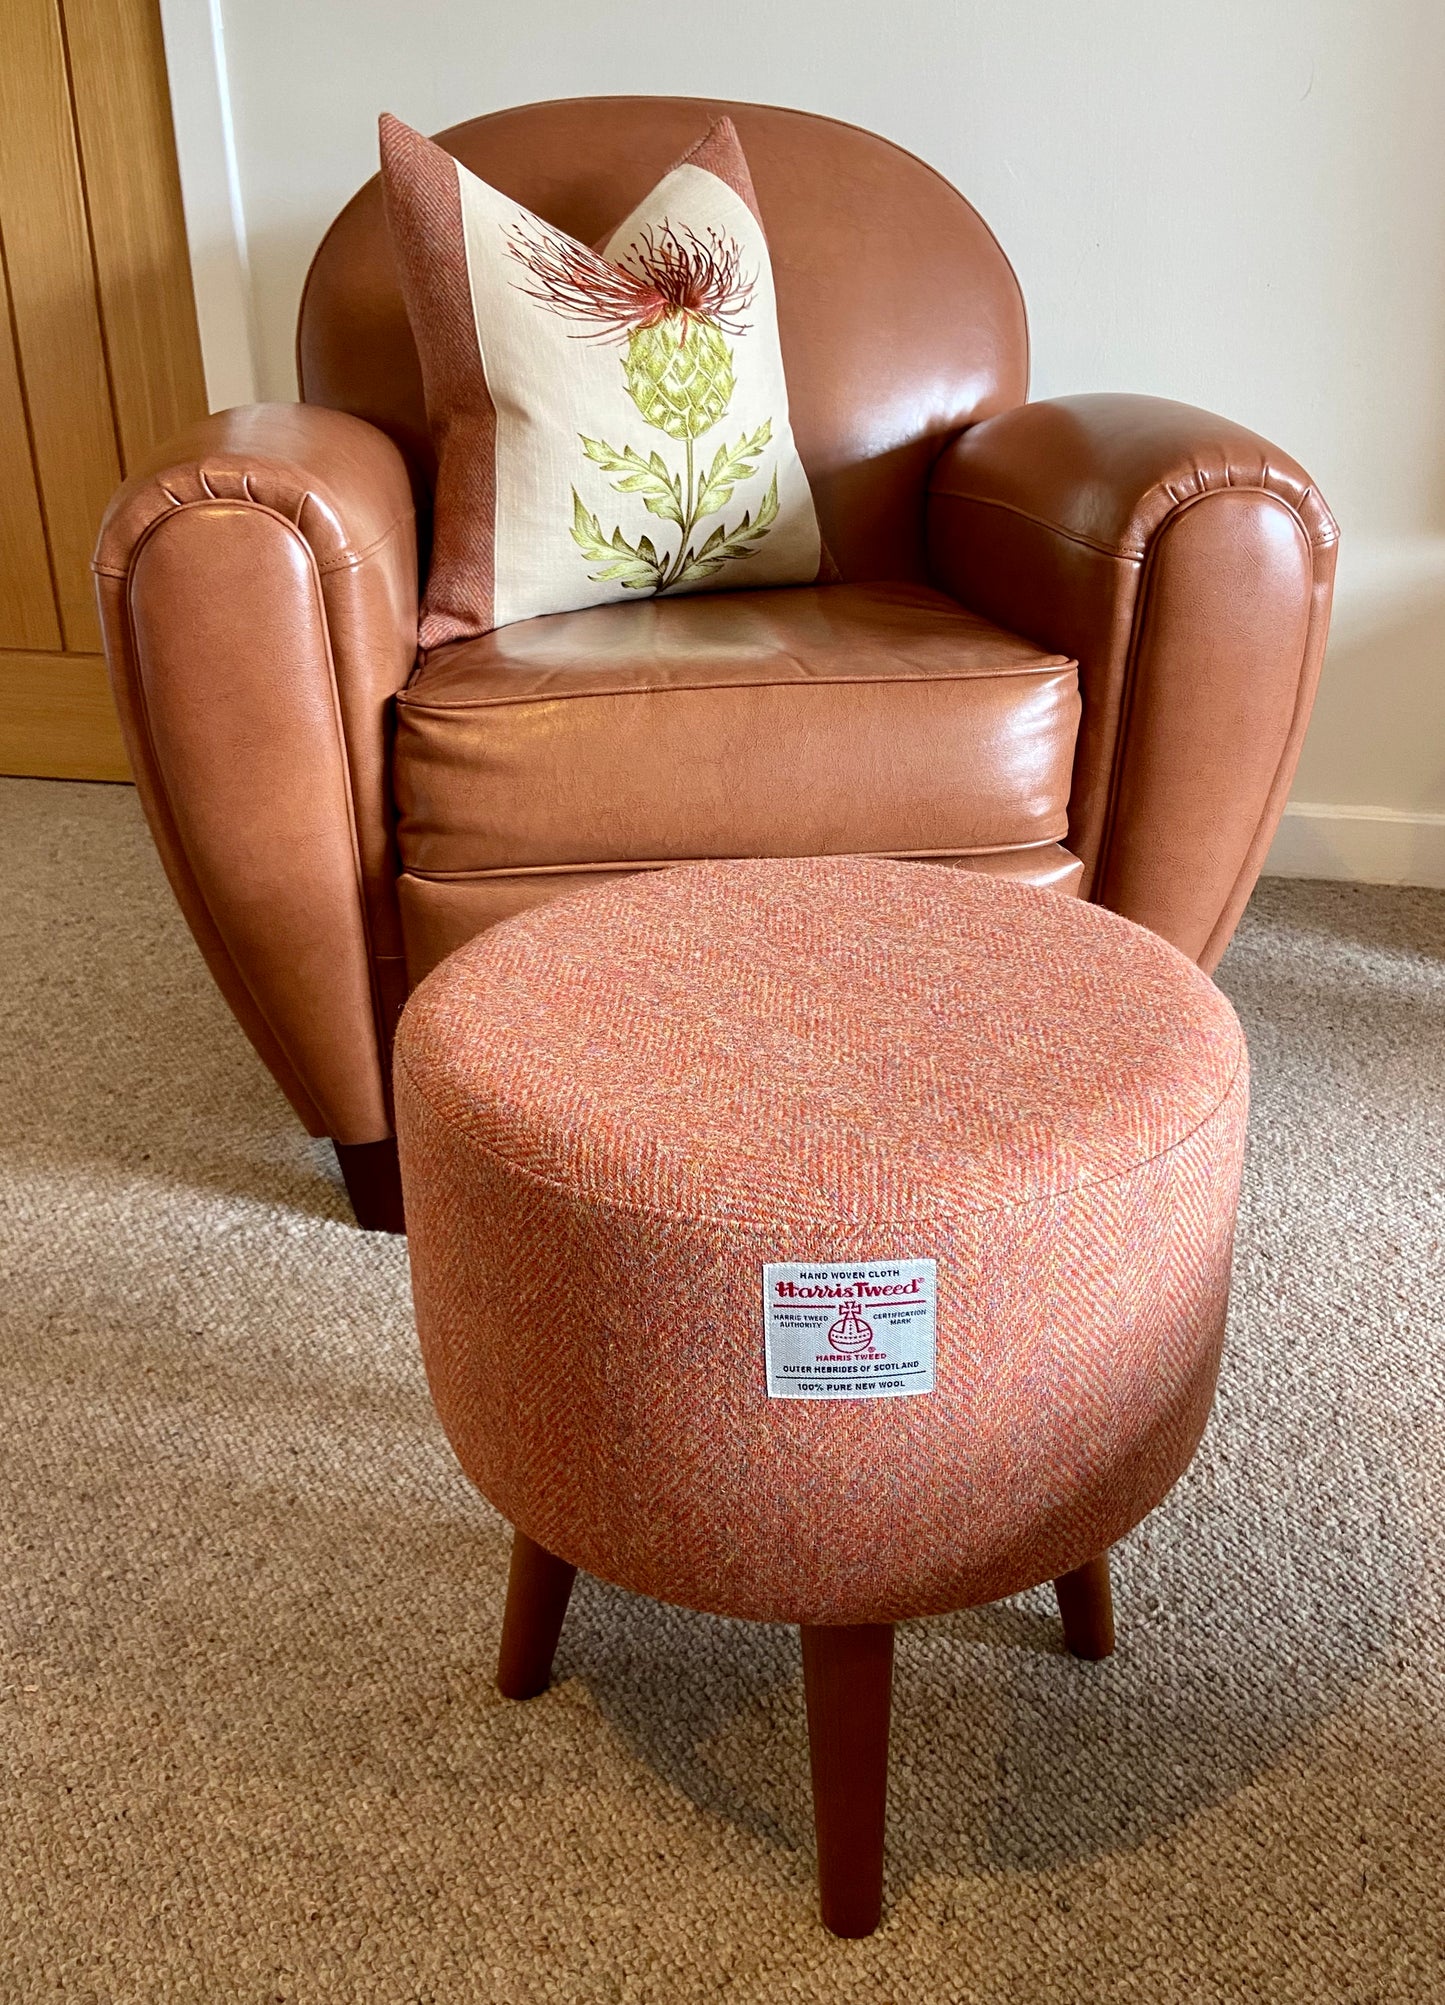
[1135, 553]
[346, 559]
[1038, 521]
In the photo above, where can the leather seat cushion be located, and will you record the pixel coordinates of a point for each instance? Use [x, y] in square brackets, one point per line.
[831, 719]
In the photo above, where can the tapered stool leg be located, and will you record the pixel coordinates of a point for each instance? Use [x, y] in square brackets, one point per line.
[848, 1681]
[538, 1588]
[1086, 1603]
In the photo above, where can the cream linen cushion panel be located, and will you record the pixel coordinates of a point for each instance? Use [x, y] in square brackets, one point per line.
[607, 426]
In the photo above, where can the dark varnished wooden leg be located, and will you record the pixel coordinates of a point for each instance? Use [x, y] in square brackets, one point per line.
[1086, 1603]
[538, 1588]
[848, 1680]
[373, 1183]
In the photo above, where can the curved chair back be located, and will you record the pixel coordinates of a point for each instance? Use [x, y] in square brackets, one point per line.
[901, 318]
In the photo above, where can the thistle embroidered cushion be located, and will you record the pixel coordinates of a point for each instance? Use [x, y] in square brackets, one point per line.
[607, 425]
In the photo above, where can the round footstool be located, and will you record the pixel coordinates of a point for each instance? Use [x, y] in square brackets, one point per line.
[826, 1241]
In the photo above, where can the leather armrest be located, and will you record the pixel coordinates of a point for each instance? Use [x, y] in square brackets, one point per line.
[257, 580]
[1188, 566]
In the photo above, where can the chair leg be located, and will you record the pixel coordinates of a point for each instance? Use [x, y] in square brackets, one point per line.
[538, 1588]
[1086, 1603]
[848, 1680]
[373, 1183]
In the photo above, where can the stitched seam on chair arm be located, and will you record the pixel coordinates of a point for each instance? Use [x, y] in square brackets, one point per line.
[1126, 556]
[344, 560]
[1135, 554]
[348, 559]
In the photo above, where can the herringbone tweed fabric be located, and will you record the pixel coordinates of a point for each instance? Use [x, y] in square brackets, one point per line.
[250, 1747]
[615, 1110]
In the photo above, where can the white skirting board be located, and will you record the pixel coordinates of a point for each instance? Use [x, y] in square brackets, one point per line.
[1365, 845]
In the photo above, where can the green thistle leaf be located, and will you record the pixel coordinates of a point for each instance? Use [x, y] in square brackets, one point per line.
[587, 531]
[730, 467]
[724, 545]
[661, 491]
[767, 508]
[635, 569]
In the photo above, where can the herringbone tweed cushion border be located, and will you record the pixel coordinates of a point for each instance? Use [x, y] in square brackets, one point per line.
[614, 1110]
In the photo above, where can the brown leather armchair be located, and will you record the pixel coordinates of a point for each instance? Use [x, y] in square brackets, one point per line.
[1074, 641]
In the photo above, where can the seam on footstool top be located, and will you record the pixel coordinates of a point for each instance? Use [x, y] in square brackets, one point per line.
[734, 1218]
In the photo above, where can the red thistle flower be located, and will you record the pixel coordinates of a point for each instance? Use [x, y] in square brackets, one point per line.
[678, 275]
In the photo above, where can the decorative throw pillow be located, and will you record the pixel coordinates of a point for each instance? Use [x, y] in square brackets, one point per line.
[607, 427]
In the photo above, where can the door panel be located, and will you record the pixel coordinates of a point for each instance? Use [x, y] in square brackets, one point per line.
[57, 719]
[99, 357]
[53, 299]
[27, 595]
[127, 148]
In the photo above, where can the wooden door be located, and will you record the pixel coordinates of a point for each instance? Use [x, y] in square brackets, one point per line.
[99, 357]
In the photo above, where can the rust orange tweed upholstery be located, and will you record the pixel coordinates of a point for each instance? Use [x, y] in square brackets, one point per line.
[615, 1108]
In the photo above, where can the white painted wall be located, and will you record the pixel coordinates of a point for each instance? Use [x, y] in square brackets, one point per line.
[211, 195]
[1236, 202]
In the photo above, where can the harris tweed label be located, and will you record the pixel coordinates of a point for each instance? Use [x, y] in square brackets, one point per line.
[857, 1329]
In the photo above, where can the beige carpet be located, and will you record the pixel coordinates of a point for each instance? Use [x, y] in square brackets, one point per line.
[248, 1737]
